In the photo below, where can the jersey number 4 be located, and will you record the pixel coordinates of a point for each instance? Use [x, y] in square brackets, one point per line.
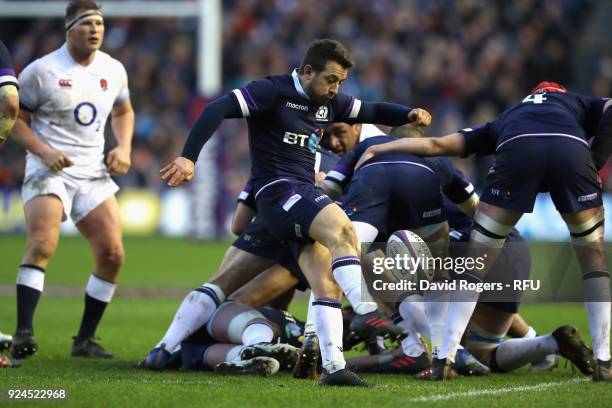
[535, 98]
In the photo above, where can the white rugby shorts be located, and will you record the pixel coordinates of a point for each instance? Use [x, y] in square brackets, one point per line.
[79, 196]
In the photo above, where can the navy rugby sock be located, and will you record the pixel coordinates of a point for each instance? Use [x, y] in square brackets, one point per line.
[30, 283]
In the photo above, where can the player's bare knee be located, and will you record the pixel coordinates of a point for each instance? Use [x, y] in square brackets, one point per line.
[111, 257]
[40, 248]
[345, 237]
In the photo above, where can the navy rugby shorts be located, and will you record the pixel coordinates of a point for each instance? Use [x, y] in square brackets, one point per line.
[394, 196]
[257, 240]
[287, 207]
[524, 167]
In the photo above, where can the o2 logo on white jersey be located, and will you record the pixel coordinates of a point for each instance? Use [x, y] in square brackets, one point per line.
[85, 113]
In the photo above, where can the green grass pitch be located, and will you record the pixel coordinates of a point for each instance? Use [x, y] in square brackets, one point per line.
[132, 326]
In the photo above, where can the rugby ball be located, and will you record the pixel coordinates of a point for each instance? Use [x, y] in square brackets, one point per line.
[410, 254]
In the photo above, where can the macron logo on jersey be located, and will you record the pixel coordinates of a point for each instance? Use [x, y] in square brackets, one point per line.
[297, 106]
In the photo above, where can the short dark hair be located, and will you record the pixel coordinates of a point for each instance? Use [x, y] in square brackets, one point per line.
[407, 131]
[320, 52]
[80, 5]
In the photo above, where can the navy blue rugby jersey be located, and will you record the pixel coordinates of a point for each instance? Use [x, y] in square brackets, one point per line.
[325, 161]
[557, 114]
[453, 183]
[285, 126]
[7, 74]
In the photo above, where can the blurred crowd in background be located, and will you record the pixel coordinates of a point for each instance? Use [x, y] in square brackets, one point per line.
[464, 61]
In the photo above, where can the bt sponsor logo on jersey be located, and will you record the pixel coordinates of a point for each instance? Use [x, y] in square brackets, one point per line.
[311, 142]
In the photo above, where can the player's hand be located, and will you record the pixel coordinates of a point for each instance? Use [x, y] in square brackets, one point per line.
[419, 117]
[319, 178]
[181, 169]
[367, 155]
[56, 160]
[118, 161]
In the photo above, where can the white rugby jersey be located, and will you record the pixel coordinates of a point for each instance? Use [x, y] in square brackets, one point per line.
[70, 105]
[369, 130]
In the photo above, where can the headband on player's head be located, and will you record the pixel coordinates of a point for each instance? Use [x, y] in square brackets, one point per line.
[546, 86]
[79, 18]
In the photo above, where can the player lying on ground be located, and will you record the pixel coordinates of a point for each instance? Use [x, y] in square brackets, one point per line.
[66, 98]
[239, 339]
[285, 114]
[540, 144]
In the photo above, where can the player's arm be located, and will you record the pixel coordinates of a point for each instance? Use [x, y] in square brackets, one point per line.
[257, 97]
[122, 121]
[449, 145]
[602, 142]
[391, 114]
[340, 176]
[23, 136]
[183, 167]
[9, 109]
[9, 95]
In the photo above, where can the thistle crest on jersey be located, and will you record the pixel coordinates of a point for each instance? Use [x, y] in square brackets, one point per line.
[322, 113]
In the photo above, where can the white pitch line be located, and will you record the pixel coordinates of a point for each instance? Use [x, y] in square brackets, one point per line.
[477, 393]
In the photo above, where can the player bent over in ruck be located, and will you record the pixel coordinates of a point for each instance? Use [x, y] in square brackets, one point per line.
[539, 144]
[285, 115]
[378, 204]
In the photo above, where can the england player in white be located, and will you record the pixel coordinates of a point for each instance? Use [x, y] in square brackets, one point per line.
[66, 98]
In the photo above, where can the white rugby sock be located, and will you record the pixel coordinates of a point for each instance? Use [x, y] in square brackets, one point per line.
[195, 310]
[100, 289]
[596, 286]
[531, 333]
[412, 310]
[436, 309]
[515, 353]
[412, 345]
[328, 319]
[460, 309]
[347, 272]
[257, 333]
[233, 354]
[310, 328]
